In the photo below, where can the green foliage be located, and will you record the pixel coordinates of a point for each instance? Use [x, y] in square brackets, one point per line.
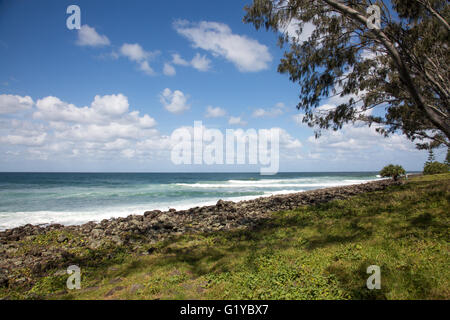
[435, 167]
[431, 157]
[402, 67]
[392, 171]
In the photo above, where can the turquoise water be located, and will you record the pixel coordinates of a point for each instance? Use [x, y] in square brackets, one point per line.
[75, 198]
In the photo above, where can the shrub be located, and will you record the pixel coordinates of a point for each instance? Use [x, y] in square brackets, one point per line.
[392, 171]
[435, 167]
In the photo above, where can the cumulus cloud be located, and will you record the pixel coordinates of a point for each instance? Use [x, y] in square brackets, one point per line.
[114, 105]
[134, 52]
[24, 140]
[107, 119]
[177, 59]
[101, 133]
[199, 62]
[248, 55]
[169, 70]
[356, 139]
[13, 103]
[145, 67]
[287, 141]
[236, 121]
[174, 102]
[277, 110]
[106, 129]
[216, 112]
[87, 36]
[102, 109]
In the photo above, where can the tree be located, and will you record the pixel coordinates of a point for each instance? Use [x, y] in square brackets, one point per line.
[435, 167]
[402, 67]
[431, 157]
[447, 158]
[392, 171]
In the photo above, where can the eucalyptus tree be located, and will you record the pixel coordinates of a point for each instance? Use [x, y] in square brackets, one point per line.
[392, 72]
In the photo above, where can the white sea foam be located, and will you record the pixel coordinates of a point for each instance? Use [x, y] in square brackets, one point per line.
[269, 184]
[260, 188]
[15, 219]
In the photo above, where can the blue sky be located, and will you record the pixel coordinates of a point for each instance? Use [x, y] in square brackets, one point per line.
[108, 96]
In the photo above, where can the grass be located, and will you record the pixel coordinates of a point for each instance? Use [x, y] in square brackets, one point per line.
[314, 252]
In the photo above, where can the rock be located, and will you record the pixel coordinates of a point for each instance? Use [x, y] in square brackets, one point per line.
[62, 238]
[117, 240]
[95, 244]
[152, 214]
[3, 280]
[96, 233]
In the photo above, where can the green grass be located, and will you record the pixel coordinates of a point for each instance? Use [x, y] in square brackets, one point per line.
[314, 252]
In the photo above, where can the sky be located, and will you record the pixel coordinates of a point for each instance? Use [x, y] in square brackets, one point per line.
[107, 97]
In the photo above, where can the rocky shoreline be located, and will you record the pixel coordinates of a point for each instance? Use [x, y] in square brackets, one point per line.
[30, 250]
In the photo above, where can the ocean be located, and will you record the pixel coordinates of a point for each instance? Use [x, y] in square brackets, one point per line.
[76, 198]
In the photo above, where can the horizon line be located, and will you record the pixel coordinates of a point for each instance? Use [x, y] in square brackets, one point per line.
[195, 172]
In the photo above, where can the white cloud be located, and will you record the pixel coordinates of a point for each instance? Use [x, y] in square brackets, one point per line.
[13, 103]
[87, 36]
[145, 122]
[216, 112]
[135, 52]
[144, 66]
[128, 153]
[287, 141]
[247, 54]
[272, 112]
[174, 102]
[199, 62]
[177, 59]
[236, 121]
[298, 118]
[169, 70]
[53, 109]
[104, 126]
[355, 138]
[111, 104]
[102, 109]
[104, 130]
[24, 140]
[102, 133]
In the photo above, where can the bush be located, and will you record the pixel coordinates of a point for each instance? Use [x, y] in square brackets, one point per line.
[392, 171]
[435, 167]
